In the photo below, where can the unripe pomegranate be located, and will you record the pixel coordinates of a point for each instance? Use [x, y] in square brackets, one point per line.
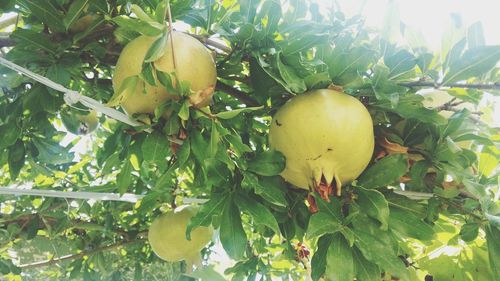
[167, 236]
[193, 63]
[326, 137]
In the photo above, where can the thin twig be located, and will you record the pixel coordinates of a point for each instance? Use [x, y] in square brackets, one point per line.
[170, 33]
[242, 96]
[446, 106]
[79, 255]
[494, 86]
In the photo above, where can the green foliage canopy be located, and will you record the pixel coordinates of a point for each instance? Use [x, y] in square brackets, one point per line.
[446, 221]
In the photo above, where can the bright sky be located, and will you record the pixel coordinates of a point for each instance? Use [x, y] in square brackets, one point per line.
[432, 17]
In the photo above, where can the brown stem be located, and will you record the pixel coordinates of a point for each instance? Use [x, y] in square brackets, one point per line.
[447, 105]
[242, 96]
[494, 86]
[79, 255]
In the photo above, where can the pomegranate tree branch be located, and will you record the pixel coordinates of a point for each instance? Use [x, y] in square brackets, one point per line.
[80, 255]
[494, 86]
[211, 42]
[6, 42]
[242, 96]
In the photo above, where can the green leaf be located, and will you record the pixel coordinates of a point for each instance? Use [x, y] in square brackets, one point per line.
[233, 113]
[259, 213]
[51, 152]
[35, 39]
[492, 234]
[373, 203]
[184, 111]
[473, 63]
[410, 107]
[75, 10]
[47, 13]
[157, 49]
[165, 180]
[125, 179]
[210, 211]
[155, 148]
[469, 231]
[148, 74]
[409, 225]
[339, 262]
[127, 87]
[344, 66]
[365, 270]
[474, 188]
[248, 10]
[267, 163]
[10, 132]
[303, 43]
[183, 153]
[454, 54]
[214, 140]
[161, 11]
[89, 30]
[319, 259]
[232, 235]
[384, 172]
[15, 158]
[237, 144]
[144, 28]
[139, 12]
[290, 76]
[268, 188]
[322, 223]
[379, 252]
[400, 63]
[475, 35]
[333, 208]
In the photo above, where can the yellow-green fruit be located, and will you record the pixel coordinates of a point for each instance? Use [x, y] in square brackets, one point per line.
[323, 134]
[167, 235]
[83, 23]
[80, 124]
[193, 64]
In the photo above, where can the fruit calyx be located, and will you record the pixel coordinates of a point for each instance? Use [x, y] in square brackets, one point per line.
[324, 190]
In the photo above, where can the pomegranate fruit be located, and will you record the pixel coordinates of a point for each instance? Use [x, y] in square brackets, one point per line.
[167, 235]
[193, 63]
[326, 137]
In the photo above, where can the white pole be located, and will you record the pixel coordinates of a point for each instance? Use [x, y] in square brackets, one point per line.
[127, 197]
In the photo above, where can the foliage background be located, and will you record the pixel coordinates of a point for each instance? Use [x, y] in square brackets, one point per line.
[277, 50]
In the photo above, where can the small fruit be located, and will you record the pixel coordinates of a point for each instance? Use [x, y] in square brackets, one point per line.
[79, 123]
[193, 64]
[83, 23]
[324, 135]
[167, 235]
